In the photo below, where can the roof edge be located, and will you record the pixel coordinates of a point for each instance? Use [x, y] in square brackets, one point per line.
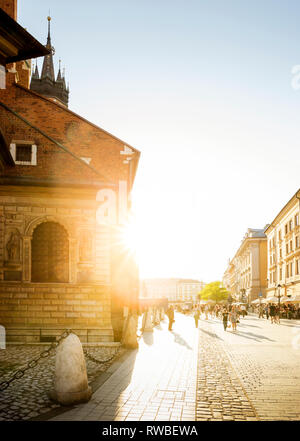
[66, 109]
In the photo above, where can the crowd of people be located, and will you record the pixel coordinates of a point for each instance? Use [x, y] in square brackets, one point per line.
[229, 314]
[276, 311]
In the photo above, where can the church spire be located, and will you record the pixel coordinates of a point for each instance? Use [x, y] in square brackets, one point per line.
[46, 84]
[48, 68]
[36, 74]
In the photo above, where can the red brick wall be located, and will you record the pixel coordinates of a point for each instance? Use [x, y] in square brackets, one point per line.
[82, 138]
[10, 7]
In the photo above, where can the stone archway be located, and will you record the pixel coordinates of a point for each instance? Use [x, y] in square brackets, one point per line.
[50, 253]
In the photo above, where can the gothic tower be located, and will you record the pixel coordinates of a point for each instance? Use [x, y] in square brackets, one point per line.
[46, 84]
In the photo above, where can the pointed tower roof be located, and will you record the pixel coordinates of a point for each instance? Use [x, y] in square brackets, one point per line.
[59, 77]
[46, 84]
[36, 74]
[48, 67]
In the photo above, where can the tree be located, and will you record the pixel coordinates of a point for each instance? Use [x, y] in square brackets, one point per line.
[213, 291]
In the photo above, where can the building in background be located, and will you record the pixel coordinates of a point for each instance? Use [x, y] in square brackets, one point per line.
[175, 290]
[65, 188]
[188, 290]
[246, 275]
[283, 236]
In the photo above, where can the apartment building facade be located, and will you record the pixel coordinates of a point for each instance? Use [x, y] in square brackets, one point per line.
[246, 275]
[283, 236]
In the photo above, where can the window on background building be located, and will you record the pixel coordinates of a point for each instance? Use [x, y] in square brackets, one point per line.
[270, 260]
[279, 234]
[280, 273]
[286, 228]
[280, 252]
[287, 271]
[291, 269]
[296, 220]
[273, 241]
[297, 269]
[290, 225]
[287, 248]
[291, 246]
[297, 241]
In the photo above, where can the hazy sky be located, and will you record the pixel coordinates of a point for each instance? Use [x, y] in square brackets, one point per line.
[203, 89]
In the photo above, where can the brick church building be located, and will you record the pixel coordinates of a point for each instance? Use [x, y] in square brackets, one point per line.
[64, 186]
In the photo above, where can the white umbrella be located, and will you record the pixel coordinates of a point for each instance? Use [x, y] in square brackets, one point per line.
[272, 299]
[295, 299]
[265, 301]
[285, 299]
[256, 301]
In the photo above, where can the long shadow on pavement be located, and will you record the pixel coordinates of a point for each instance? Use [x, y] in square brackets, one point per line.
[251, 336]
[211, 334]
[178, 339]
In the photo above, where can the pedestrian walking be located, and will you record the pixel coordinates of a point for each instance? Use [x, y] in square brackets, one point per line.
[272, 312]
[261, 312]
[277, 315]
[206, 310]
[233, 318]
[170, 315]
[267, 311]
[225, 318]
[196, 317]
[243, 310]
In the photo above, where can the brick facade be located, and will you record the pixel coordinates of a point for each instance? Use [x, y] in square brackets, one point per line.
[74, 160]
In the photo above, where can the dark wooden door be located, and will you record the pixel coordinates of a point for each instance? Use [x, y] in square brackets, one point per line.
[50, 253]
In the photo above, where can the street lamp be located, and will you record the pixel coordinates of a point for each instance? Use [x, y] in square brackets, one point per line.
[278, 295]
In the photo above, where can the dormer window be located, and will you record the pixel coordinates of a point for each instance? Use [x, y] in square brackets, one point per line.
[23, 152]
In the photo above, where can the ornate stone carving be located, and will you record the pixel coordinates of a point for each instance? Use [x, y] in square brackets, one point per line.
[13, 247]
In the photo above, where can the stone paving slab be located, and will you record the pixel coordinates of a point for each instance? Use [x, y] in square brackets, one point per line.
[157, 382]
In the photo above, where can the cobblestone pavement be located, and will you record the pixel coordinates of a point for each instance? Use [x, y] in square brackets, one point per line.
[27, 397]
[266, 359]
[156, 383]
[203, 374]
[220, 393]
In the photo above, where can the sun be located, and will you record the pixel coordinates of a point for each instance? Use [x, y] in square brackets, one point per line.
[130, 237]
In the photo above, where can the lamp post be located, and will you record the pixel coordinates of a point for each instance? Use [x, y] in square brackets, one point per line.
[278, 295]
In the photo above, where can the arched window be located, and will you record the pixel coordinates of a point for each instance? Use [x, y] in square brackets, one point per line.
[50, 253]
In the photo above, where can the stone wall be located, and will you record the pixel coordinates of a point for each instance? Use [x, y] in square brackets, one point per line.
[31, 311]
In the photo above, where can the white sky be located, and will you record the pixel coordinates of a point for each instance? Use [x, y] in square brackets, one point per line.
[203, 90]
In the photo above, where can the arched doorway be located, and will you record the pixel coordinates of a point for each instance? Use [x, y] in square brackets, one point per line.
[50, 253]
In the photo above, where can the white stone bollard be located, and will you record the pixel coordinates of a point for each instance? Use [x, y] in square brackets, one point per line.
[162, 314]
[70, 381]
[130, 337]
[148, 321]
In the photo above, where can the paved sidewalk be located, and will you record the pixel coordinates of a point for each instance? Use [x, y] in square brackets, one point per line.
[157, 382]
[204, 374]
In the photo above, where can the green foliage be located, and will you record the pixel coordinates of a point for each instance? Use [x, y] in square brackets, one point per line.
[213, 291]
